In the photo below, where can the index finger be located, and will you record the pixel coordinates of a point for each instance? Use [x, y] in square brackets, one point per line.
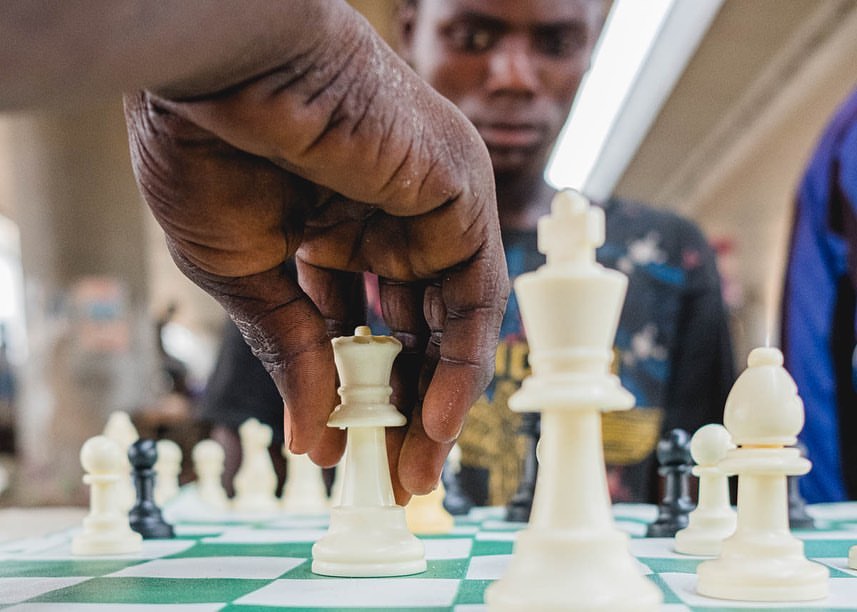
[471, 303]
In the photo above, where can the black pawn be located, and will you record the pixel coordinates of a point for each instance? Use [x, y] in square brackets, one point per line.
[798, 516]
[519, 507]
[145, 517]
[675, 461]
[456, 501]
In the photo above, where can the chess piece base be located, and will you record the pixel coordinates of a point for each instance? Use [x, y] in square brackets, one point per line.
[781, 575]
[255, 503]
[368, 542]
[852, 557]
[116, 541]
[705, 534]
[573, 570]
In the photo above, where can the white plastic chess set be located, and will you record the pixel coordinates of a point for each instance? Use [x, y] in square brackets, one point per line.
[573, 555]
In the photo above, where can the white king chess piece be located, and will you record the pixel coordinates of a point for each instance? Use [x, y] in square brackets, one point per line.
[572, 556]
[762, 560]
[368, 535]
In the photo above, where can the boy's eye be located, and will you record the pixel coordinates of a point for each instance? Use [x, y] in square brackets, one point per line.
[470, 38]
[562, 41]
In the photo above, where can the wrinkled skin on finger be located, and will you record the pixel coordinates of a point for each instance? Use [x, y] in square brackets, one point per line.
[343, 158]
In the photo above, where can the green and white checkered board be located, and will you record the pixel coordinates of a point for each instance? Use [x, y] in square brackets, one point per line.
[263, 563]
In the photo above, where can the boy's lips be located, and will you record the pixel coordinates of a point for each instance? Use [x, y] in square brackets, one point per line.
[510, 135]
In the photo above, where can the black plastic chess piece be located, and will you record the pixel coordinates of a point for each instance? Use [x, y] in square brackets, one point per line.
[455, 501]
[675, 461]
[798, 516]
[519, 507]
[145, 517]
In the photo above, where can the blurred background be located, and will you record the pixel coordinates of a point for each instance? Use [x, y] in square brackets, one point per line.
[715, 119]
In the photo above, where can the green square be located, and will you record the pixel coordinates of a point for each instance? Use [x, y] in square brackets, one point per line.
[661, 565]
[153, 591]
[827, 549]
[274, 549]
[446, 568]
[50, 568]
[491, 547]
[472, 591]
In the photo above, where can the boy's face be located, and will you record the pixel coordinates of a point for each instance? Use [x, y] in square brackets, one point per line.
[513, 67]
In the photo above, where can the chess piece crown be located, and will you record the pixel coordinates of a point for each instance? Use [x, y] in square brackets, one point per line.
[570, 308]
[364, 363]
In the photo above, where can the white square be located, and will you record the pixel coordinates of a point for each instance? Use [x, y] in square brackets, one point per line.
[152, 549]
[497, 536]
[489, 567]
[266, 568]
[447, 548]
[355, 593]
[13, 590]
[655, 548]
[843, 594]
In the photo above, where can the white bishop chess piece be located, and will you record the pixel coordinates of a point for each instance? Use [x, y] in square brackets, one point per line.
[208, 463]
[256, 480]
[713, 520]
[304, 491]
[121, 430]
[762, 560]
[368, 534]
[572, 556]
[105, 530]
[168, 467]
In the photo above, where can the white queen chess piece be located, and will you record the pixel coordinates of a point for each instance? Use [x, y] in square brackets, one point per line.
[713, 520]
[762, 560]
[572, 556]
[105, 530]
[368, 535]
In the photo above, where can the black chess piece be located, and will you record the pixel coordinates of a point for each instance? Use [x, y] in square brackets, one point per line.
[145, 517]
[675, 461]
[455, 501]
[798, 516]
[519, 507]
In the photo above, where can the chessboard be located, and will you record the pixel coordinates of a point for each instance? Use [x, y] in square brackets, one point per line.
[244, 562]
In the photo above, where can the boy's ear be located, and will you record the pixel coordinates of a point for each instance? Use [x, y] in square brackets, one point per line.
[406, 13]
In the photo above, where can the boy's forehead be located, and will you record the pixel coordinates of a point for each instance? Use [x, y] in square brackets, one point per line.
[518, 11]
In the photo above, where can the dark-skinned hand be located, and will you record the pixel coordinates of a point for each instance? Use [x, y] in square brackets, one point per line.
[328, 148]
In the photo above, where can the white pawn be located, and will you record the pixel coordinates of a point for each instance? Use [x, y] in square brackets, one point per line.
[304, 491]
[208, 463]
[167, 470]
[105, 529]
[256, 480]
[852, 557]
[368, 534]
[426, 514]
[121, 430]
[713, 520]
[762, 560]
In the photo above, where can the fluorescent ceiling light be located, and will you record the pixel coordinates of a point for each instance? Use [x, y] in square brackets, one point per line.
[643, 50]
